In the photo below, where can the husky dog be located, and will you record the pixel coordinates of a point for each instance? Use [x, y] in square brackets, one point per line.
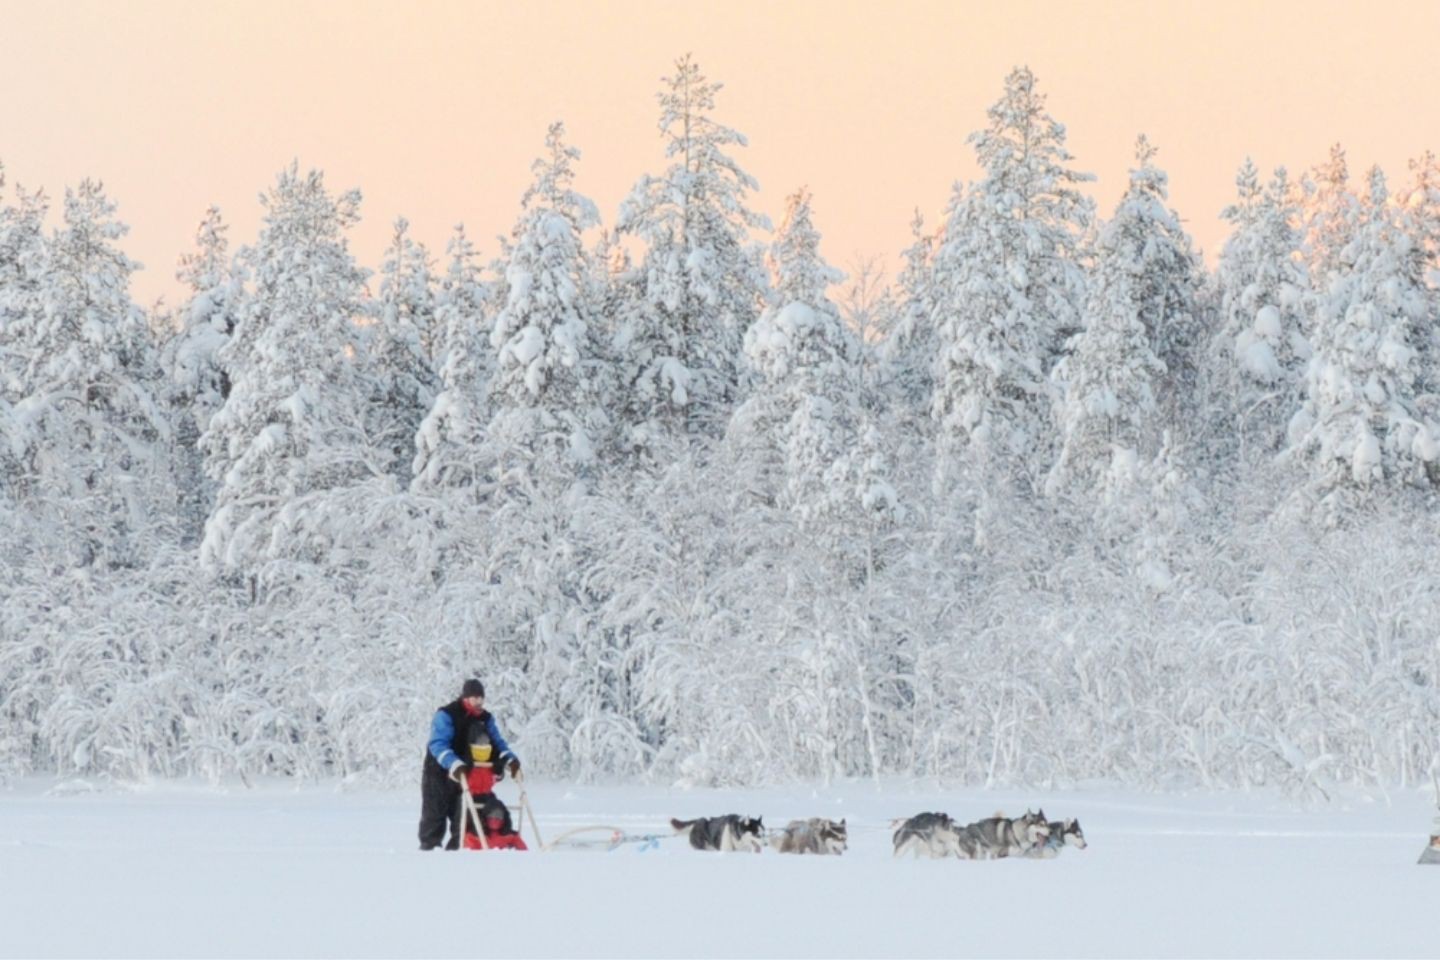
[1431, 854]
[927, 835]
[1063, 833]
[1000, 836]
[816, 835]
[727, 833]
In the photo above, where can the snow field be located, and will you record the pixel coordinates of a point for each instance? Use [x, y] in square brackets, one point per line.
[181, 870]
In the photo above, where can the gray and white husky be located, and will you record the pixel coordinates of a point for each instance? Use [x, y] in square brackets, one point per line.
[1063, 833]
[927, 835]
[816, 835]
[728, 833]
[1000, 836]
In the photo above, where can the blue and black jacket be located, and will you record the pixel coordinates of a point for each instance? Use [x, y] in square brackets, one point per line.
[451, 736]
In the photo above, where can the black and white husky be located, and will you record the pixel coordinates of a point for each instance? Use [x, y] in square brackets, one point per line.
[999, 836]
[727, 833]
[927, 835]
[1063, 833]
[816, 835]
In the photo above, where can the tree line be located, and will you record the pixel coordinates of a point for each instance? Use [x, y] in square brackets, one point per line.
[1058, 503]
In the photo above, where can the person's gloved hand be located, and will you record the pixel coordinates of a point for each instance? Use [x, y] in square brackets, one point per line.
[458, 772]
[513, 766]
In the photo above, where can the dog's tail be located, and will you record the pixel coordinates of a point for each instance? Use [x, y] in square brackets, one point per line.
[680, 825]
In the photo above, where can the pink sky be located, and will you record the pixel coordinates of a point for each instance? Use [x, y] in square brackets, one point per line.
[435, 109]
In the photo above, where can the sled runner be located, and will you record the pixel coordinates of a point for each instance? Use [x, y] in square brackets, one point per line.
[602, 838]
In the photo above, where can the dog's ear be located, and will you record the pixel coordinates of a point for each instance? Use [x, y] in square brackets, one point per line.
[842, 821]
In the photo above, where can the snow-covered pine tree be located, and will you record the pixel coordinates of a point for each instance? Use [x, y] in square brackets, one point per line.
[1361, 426]
[293, 426]
[1421, 202]
[703, 283]
[1143, 284]
[401, 347]
[445, 446]
[22, 253]
[198, 382]
[1328, 215]
[1262, 287]
[1009, 286]
[866, 303]
[908, 350]
[86, 431]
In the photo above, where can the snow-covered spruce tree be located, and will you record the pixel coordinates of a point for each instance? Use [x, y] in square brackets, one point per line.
[22, 252]
[908, 349]
[1360, 428]
[292, 428]
[1262, 287]
[1009, 285]
[445, 446]
[22, 255]
[1112, 372]
[704, 285]
[198, 382]
[401, 347]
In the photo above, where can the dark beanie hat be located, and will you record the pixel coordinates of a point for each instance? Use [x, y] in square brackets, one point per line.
[472, 688]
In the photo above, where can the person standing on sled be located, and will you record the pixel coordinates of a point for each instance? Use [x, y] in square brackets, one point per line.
[449, 763]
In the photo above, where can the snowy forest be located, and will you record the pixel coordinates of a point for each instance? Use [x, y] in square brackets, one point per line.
[1057, 502]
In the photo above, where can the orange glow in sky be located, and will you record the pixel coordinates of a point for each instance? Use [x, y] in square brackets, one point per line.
[436, 109]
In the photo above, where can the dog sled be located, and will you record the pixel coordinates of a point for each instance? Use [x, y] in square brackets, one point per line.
[485, 821]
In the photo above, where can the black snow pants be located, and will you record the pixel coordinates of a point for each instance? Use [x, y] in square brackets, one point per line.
[439, 805]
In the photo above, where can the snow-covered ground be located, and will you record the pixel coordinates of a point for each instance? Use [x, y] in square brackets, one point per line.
[183, 870]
